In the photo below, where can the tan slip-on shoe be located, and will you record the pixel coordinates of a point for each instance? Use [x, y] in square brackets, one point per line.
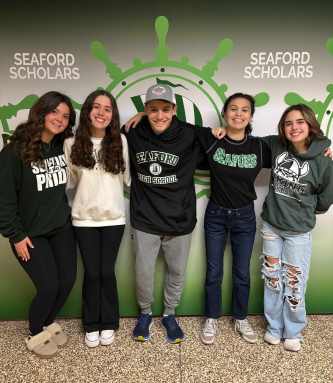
[42, 345]
[57, 334]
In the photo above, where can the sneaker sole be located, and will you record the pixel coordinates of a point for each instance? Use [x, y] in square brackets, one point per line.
[91, 344]
[207, 342]
[272, 342]
[107, 341]
[252, 341]
[169, 340]
[288, 349]
[174, 341]
[141, 338]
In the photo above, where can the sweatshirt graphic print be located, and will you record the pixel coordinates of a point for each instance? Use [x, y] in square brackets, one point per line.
[51, 173]
[287, 175]
[157, 160]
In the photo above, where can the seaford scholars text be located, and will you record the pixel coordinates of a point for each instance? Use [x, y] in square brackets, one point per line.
[279, 65]
[44, 66]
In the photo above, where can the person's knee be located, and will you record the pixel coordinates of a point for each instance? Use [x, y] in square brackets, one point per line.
[293, 280]
[49, 289]
[241, 277]
[92, 276]
[293, 276]
[271, 267]
[108, 274]
[66, 285]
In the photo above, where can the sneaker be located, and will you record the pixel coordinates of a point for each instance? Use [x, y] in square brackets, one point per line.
[174, 332]
[142, 328]
[92, 339]
[209, 330]
[269, 338]
[107, 337]
[292, 345]
[245, 330]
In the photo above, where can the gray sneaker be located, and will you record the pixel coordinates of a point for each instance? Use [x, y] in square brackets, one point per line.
[243, 327]
[209, 331]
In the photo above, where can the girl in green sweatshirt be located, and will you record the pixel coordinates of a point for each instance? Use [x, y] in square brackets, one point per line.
[35, 216]
[301, 186]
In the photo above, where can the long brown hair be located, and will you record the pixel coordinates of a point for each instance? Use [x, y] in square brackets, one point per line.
[26, 138]
[111, 153]
[310, 119]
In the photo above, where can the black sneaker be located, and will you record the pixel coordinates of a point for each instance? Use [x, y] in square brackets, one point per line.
[141, 330]
[174, 332]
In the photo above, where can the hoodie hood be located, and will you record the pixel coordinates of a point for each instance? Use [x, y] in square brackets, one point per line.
[170, 134]
[316, 148]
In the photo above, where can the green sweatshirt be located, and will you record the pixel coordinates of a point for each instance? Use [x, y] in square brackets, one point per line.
[301, 185]
[32, 198]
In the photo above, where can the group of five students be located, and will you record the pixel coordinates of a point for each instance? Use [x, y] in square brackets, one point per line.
[161, 153]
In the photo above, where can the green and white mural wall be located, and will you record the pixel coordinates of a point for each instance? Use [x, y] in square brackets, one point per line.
[282, 53]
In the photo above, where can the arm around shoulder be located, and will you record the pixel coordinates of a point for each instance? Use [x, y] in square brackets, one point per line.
[72, 177]
[127, 174]
[325, 190]
[10, 181]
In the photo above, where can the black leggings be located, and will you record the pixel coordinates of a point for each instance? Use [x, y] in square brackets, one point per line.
[99, 249]
[52, 268]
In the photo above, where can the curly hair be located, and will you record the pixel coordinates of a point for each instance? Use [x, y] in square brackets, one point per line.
[309, 117]
[26, 138]
[111, 153]
[247, 97]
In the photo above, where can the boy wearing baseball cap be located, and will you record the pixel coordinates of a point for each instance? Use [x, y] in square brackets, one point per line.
[164, 153]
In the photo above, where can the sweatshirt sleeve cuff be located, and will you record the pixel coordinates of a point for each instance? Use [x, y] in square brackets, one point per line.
[18, 237]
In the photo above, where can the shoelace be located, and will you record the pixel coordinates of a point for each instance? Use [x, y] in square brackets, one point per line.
[245, 326]
[210, 326]
[172, 322]
[144, 320]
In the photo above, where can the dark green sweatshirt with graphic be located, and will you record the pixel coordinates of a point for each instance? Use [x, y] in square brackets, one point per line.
[32, 197]
[301, 185]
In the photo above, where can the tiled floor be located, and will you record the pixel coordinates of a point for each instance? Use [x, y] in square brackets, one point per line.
[229, 360]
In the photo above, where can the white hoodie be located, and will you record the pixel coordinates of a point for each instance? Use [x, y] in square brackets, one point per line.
[96, 196]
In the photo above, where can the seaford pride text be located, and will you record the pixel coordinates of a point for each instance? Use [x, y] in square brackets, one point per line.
[279, 65]
[44, 66]
[51, 172]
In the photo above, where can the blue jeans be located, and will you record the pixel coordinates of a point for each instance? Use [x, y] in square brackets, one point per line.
[240, 224]
[285, 269]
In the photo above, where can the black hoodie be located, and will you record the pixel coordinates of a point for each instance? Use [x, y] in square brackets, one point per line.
[162, 166]
[32, 197]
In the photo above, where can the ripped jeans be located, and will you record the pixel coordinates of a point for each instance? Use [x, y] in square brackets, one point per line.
[285, 269]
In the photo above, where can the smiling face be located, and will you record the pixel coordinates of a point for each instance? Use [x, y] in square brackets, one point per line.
[296, 129]
[55, 122]
[160, 115]
[100, 115]
[238, 115]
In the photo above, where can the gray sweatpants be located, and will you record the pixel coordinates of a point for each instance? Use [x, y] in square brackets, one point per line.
[175, 251]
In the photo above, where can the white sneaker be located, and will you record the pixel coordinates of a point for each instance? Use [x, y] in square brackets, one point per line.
[292, 345]
[269, 338]
[209, 331]
[243, 327]
[107, 337]
[92, 339]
